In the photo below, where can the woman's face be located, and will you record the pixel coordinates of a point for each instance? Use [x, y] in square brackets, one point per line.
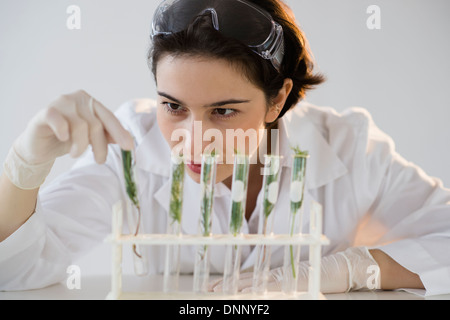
[202, 104]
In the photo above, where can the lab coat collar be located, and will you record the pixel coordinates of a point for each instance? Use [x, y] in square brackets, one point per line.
[296, 129]
[153, 153]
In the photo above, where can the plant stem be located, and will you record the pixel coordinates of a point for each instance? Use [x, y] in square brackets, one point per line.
[131, 189]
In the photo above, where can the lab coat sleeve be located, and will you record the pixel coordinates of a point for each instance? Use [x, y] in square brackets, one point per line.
[72, 215]
[417, 209]
[412, 211]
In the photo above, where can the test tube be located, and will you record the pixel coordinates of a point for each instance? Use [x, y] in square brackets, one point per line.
[133, 210]
[292, 252]
[136, 226]
[172, 262]
[238, 204]
[265, 227]
[207, 182]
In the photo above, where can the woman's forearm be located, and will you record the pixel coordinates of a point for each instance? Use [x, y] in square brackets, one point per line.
[16, 206]
[393, 275]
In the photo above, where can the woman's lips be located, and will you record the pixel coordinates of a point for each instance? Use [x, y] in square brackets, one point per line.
[196, 168]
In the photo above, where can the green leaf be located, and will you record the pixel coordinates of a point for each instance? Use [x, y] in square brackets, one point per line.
[130, 184]
[206, 206]
[237, 218]
[238, 208]
[299, 152]
[131, 188]
[176, 193]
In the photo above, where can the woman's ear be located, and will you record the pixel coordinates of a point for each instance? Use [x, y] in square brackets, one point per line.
[278, 102]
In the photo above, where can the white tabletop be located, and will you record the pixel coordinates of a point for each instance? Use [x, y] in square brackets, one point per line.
[97, 288]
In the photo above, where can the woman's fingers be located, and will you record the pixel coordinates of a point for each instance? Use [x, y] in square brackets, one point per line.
[215, 285]
[79, 130]
[69, 125]
[245, 281]
[58, 124]
[68, 106]
[87, 122]
[97, 133]
[113, 126]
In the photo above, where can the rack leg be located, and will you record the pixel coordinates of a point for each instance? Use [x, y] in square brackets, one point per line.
[314, 271]
[116, 261]
[315, 250]
[232, 269]
[116, 279]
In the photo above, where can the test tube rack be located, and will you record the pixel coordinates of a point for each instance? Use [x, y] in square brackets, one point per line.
[314, 239]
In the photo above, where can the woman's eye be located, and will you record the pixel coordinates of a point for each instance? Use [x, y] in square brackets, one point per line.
[172, 108]
[220, 113]
[224, 113]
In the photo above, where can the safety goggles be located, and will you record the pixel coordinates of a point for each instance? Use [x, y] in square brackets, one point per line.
[237, 19]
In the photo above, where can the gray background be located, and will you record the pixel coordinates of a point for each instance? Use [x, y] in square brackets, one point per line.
[400, 73]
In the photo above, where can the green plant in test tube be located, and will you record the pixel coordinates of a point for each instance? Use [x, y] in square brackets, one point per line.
[131, 187]
[239, 192]
[238, 205]
[270, 184]
[270, 195]
[207, 181]
[296, 197]
[208, 177]
[176, 193]
[298, 177]
[130, 184]
[172, 262]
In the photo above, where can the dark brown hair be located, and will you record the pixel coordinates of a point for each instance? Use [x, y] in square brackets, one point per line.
[201, 39]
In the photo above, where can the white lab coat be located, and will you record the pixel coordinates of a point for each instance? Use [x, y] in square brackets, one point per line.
[371, 196]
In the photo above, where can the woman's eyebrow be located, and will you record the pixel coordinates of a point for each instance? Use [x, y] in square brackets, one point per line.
[215, 104]
[230, 101]
[168, 96]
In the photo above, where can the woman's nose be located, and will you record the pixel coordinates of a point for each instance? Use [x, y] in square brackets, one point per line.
[204, 138]
[195, 147]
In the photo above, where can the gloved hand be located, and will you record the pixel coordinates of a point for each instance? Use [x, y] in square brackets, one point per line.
[353, 269]
[70, 124]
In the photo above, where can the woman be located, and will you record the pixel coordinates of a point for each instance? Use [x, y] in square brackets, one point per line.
[223, 65]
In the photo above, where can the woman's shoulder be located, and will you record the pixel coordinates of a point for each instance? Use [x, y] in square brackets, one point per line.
[350, 133]
[353, 122]
[327, 118]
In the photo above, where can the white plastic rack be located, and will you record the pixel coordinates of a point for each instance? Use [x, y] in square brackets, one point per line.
[314, 239]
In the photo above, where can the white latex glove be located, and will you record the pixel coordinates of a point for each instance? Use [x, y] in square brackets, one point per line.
[353, 269]
[69, 124]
